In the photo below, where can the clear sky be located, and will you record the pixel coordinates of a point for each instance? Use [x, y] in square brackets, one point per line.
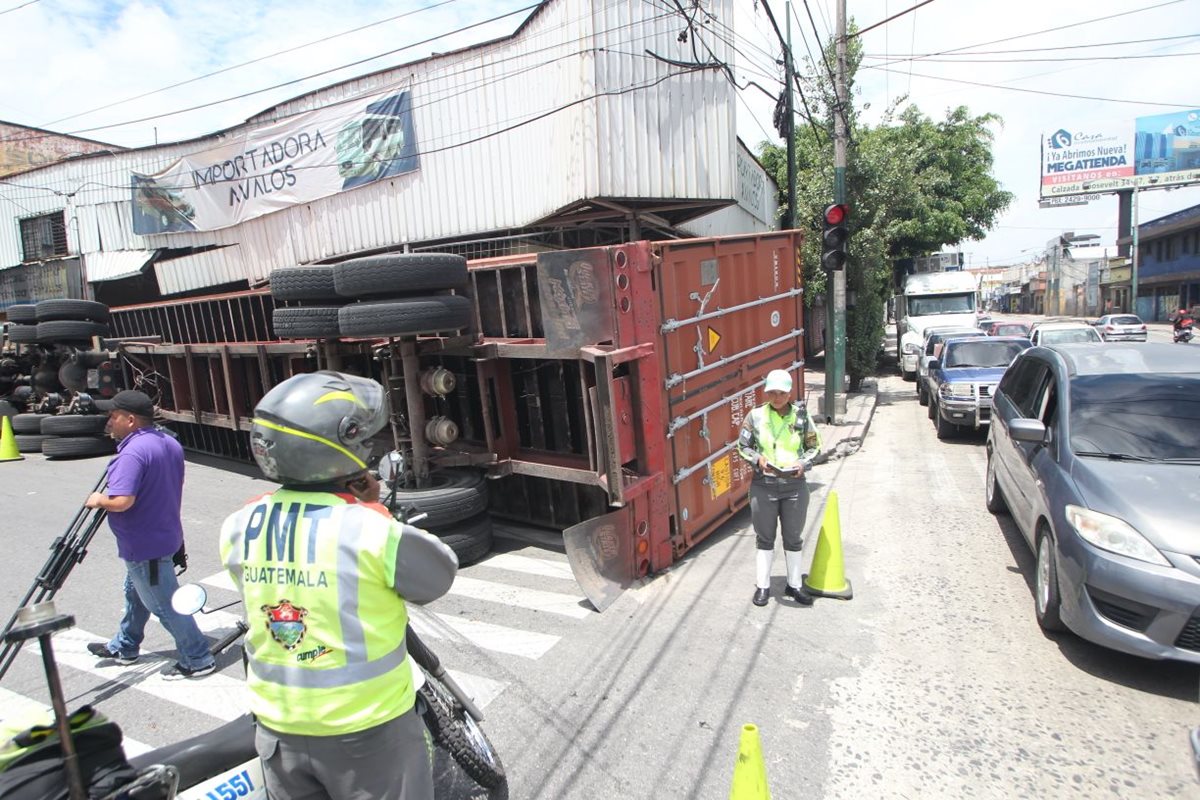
[68, 64]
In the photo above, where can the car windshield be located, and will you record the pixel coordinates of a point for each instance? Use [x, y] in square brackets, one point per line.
[1128, 319]
[1010, 330]
[1152, 416]
[940, 304]
[982, 353]
[1070, 336]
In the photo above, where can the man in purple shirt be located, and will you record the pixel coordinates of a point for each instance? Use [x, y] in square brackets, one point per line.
[145, 488]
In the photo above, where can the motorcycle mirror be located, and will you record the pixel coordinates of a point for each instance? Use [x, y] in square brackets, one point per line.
[390, 466]
[189, 599]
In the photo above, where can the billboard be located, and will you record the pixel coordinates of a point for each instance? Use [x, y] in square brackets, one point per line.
[298, 159]
[1155, 151]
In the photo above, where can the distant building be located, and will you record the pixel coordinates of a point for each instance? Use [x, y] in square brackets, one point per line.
[1168, 269]
[23, 147]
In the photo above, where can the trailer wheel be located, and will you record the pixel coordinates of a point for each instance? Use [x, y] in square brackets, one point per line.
[23, 312]
[470, 540]
[454, 495]
[50, 310]
[28, 423]
[78, 446]
[70, 330]
[408, 315]
[31, 442]
[304, 283]
[306, 322]
[75, 424]
[399, 273]
[22, 334]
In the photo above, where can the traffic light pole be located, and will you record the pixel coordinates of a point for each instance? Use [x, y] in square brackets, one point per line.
[835, 288]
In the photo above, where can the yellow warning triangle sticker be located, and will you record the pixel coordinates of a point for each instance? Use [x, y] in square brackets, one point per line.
[714, 339]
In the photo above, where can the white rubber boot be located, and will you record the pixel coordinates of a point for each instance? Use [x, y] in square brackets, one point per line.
[795, 568]
[763, 564]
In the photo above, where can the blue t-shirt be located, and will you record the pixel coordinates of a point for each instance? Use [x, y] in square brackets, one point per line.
[149, 467]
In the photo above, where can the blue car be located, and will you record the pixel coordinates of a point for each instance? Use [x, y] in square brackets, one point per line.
[964, 379]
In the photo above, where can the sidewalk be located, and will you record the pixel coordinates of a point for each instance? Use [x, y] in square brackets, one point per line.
[844, 437]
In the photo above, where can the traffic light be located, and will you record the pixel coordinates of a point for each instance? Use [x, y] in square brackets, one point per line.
[834, 235]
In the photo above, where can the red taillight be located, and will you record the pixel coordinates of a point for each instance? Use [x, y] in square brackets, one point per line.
[1109, 328]
[1143, 327]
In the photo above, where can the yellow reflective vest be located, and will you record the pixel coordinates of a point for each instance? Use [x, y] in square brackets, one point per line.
[784, 439]
[326, 641]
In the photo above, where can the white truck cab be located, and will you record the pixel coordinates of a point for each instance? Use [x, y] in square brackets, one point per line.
[929, 299]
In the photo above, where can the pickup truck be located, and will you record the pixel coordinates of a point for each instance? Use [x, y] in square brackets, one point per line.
[964, 378]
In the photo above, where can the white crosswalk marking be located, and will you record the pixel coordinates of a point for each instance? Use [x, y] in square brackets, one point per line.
[18, 706]
[219, 580]
[533, 599]
[498, 638]
[530, 566]
[216, 695]
[480, 689]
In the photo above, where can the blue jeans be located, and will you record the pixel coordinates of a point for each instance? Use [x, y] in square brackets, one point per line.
[143, 599]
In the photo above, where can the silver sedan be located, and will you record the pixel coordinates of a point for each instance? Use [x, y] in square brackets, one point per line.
[1121, 328]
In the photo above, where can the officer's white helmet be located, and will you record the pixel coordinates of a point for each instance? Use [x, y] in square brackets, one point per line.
[316, 427]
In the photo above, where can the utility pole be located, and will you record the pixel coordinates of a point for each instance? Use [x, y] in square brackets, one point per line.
[790, 126]
[1135, 257]
[835, 288]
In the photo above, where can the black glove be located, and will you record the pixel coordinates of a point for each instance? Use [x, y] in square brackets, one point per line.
[180, 559]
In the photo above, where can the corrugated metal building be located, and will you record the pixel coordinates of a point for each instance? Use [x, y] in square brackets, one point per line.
[591, 124]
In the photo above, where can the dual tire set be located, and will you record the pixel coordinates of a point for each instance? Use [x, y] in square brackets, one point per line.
[57, 322]
[455, 505]
[396, 294]
[63, 436]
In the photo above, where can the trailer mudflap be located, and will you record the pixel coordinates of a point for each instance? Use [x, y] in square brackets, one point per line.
[601, 556]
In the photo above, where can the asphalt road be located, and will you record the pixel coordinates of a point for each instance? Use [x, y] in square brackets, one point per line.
[933, 681]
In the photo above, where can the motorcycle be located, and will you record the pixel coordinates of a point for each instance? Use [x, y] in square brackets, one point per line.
[1183, 334]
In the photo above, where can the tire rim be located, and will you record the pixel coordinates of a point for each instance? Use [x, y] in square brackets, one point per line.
[482, 745]
[1043, 575]
[990, 489]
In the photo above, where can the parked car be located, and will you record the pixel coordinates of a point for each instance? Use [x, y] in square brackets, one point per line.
[1008, 329]
[1094, 451]
[1121, 328]
[930, 350]
[1050, 333]
[963, 379]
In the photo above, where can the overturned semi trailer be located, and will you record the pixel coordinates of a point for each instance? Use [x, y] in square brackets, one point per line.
[600, 390]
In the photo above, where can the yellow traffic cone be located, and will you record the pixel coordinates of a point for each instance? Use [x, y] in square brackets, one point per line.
[8, 443]
[828, 576]
[750, 771]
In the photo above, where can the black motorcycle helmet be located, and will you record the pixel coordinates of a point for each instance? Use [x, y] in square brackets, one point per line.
[316, 428]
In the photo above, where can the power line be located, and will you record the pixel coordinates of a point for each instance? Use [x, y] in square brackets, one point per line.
[1050, 94]
[1046, 60]
[1039, 32]
[821, 47]
[788, 52]
[913, 56]
[246, 63]
[16, 8]
[279, 85]
[889, 19]
[648, 84]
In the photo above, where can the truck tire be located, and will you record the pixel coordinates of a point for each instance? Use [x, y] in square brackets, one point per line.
[31, 442]
[28, 423]
[306, 322]
[24, 313]
[470, 540]
[70, 330]
[454, 495]
[303, 283]
[22, 334]
[51, 310]
[945, 428]
[399, 274]
[78, 446]
[75, 424]
[410, 315]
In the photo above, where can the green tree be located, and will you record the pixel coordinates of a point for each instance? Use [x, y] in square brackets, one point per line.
[913, 185]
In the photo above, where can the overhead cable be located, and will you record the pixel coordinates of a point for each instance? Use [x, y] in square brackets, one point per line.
[889, 19]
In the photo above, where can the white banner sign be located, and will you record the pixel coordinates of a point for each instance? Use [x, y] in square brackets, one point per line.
[304, 157]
